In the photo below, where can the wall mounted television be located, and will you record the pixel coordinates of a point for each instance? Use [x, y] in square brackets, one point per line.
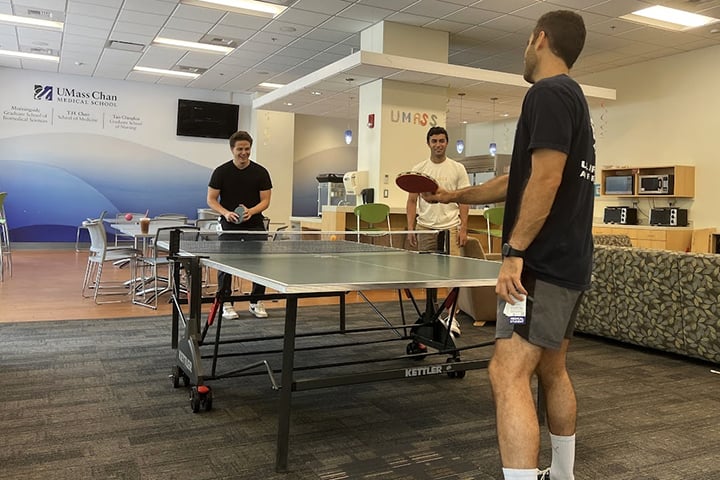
[206, 119]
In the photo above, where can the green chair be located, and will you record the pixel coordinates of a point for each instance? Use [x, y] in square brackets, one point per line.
[5, 253]
[494, 217]
[371, 214]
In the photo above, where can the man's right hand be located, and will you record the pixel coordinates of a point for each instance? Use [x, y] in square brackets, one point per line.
[440, 196]
[412, 238]
[231, 217]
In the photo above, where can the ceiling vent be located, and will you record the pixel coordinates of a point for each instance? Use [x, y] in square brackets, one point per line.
[39, 50]
[189, 69]
[127, 46]
[39, 13]
[220, 41]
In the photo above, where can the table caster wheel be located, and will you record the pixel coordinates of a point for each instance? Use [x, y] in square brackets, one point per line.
[453, 373]
[200, 397]
[416, 348]
[177, 375]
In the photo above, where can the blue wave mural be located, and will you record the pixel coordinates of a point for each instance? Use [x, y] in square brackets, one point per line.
[56, 180]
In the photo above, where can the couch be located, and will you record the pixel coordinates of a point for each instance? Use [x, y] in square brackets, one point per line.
[659, 299]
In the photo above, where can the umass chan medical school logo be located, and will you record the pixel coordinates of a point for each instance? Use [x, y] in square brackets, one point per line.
[75, 96]
[43, 92]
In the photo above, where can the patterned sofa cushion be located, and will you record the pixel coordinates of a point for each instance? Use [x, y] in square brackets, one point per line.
[613, 240]
[596, 314]
[655, 298]
[700, 289]
[648, 299]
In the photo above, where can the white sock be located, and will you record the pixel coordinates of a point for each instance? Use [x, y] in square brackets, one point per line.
[563, 457]
[520, 474]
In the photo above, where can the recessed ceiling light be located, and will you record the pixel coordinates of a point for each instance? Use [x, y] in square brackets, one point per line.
[35, 22]
[289, 104]
[315, 93]
[669, 18]
[171, 42]
[288, 29]
[246, 7]
[33, 56]
[160, 71]
[270, 85]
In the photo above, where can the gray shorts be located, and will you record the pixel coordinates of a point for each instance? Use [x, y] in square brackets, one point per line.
[549, 317]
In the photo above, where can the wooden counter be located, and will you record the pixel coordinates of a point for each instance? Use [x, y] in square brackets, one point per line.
[645, 236]
[340, 218]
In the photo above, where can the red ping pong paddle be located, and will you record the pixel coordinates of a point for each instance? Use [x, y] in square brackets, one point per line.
[416, 182]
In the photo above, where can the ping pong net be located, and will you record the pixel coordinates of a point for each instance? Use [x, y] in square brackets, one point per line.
[297, 242]
[278, 247]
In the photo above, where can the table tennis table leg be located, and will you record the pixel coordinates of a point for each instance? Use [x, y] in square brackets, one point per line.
[288, 364]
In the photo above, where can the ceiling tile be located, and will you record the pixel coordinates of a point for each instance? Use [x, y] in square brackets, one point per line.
[330, 7]
[192, 12]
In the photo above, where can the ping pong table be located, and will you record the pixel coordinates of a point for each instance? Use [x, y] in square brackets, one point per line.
[298, 269]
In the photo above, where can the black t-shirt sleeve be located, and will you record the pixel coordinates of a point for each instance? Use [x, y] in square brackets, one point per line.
[265, 181]
[216, 178]
[551, 120]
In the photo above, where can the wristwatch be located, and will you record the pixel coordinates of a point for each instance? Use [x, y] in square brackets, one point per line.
[509, 251]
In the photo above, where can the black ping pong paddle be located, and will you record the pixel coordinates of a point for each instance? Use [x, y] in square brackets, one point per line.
[416, 182]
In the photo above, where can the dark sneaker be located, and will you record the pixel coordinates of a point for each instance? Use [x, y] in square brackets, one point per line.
[544, 474]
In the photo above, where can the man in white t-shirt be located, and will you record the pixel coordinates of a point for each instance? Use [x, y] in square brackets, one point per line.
[451, 217]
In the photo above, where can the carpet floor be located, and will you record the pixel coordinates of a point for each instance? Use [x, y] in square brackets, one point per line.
[92, 400]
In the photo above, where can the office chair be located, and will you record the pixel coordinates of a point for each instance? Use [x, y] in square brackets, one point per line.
[100, 253]
[493, 216]
[147, 291]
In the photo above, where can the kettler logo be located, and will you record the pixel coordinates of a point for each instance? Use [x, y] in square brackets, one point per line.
[423, 371]
[185, 360]
[43, 92]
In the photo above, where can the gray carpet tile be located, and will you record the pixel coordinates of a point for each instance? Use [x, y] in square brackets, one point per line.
[92, 400]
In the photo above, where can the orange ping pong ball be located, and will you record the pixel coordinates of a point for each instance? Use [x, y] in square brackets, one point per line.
[333, 237]
[128, 216]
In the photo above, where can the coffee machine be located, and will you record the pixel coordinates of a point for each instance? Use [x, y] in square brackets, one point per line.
[355, 182]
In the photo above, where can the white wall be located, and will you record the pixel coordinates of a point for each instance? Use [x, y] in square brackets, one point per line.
[319, 148]
[273, 149]
[666, 112]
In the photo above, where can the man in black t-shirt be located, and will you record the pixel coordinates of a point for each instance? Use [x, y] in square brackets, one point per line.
[547, 250]
[236, 182]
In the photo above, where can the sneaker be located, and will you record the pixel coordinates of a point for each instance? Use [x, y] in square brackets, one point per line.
[454, 325]
[544, 474]
[229, 312]
[258, 309]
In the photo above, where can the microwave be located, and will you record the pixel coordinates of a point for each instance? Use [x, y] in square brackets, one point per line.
[656, 184]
